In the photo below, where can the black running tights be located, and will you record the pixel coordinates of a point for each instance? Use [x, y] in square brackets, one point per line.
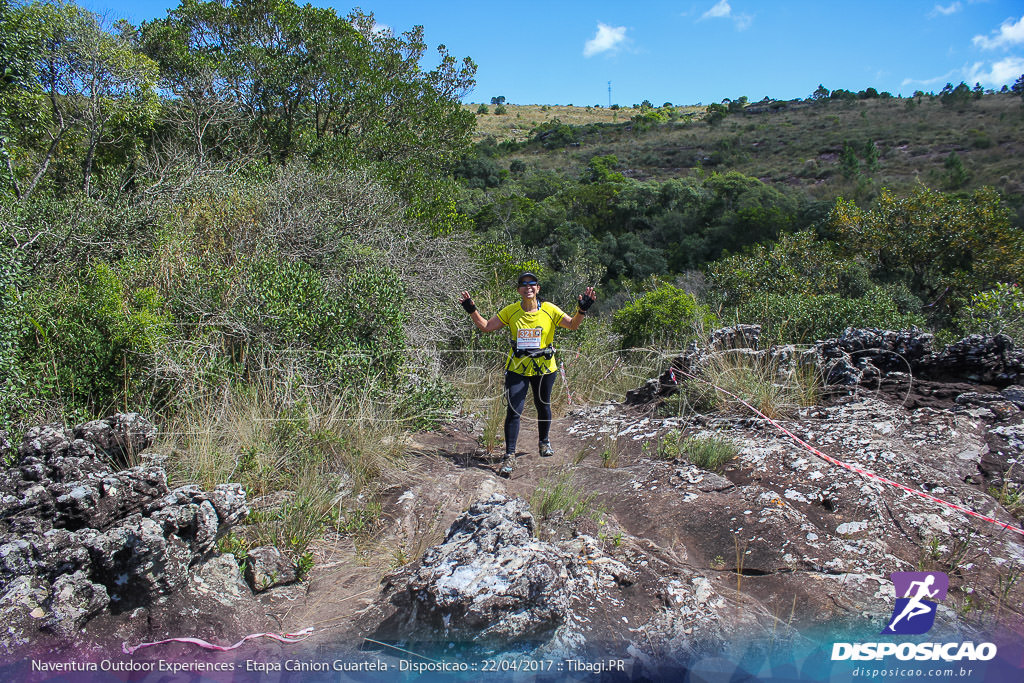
[515, 394]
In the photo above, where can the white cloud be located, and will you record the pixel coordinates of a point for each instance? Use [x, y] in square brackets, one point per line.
[607, 38]
[993, 74]
[1010, 33]
[382, 29]
[944, 78]
[952, 8]
[723, 10]
[1003, 72]
[743, 21]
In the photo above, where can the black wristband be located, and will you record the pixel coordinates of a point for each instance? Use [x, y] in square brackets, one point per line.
[580, 311]
[469, 305]
[585, 303]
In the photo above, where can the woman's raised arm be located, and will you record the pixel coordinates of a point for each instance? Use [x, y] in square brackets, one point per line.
[483, 325]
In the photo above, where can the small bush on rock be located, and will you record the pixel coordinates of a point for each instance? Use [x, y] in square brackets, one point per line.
[667, 316]
[710, 452]
[561, 495]
[706, 452]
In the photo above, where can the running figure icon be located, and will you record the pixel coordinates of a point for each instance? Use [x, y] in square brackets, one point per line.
[914, 606]
[916, 602]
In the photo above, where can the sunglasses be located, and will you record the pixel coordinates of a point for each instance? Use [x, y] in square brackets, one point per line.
[529, 284]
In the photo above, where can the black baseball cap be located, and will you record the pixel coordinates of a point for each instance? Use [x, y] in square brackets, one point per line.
[527, 277]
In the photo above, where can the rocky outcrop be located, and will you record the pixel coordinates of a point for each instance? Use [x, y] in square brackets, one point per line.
[490, 581]
[493, 585]
[78, 538]
[857, 358]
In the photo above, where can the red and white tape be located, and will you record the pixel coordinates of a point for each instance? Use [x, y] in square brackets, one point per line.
[296, 637]
[852, 468]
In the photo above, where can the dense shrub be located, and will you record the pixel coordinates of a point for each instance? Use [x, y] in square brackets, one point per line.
[804, 318]
[667, 316]
[942, 246]
[600, 169]
[345, 328]
[554, 134]
[648, 118]
[995, 311]
[90, 342]
[12, 379]
[797, 264]
[480, 171]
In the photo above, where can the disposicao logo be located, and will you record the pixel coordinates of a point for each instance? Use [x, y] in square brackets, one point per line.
[917, 594]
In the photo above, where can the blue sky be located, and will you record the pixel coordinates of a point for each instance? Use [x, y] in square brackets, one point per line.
[690, 51]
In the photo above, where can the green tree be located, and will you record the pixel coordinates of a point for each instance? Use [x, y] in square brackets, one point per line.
[849, 164]
[941, 245]
[956, 172]
[958, 97]
[797, 263]
[1018, 86]
[738, 104]
[820, 93]
[15, 73]
[871, 154]
[86, 94]
[309, 80]
[715, 113]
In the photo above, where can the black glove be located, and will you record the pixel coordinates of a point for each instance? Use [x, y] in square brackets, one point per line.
[584, 303]
[469, 305]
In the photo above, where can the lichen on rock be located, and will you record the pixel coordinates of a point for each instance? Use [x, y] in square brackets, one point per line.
[78, 537]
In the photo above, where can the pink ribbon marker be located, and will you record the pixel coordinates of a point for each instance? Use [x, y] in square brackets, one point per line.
[296, 637]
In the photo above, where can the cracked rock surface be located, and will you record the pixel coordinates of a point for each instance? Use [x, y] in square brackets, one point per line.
[83, 542]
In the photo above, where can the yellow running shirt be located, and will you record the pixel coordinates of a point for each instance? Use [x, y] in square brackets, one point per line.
[534, 330]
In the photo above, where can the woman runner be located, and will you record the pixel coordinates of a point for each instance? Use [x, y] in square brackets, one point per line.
[531, 360]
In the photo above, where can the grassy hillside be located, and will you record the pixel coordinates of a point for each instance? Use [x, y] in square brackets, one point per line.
[519, 119]
[796, 144]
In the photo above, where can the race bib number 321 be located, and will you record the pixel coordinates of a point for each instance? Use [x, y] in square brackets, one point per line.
[528, 338]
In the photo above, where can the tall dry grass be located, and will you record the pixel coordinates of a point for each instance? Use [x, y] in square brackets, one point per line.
[301, 455]
[775, 389]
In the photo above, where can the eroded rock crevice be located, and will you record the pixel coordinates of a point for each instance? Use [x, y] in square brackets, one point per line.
[79, 538]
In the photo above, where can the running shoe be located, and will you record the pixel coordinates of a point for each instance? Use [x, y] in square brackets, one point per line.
[508, 466]
[545, 449]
